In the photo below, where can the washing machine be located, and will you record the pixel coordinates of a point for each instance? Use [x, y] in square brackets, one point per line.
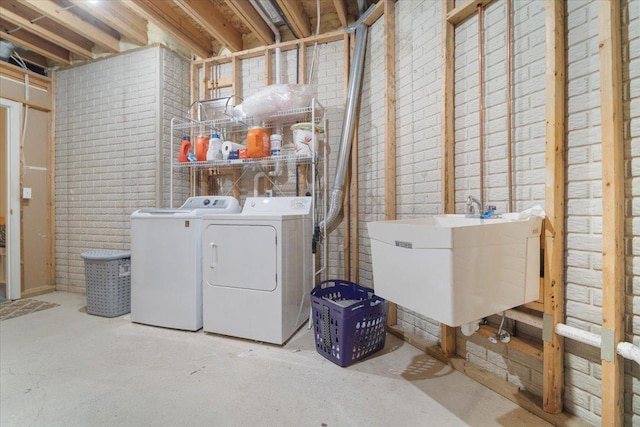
[166, 262]
[258, 269]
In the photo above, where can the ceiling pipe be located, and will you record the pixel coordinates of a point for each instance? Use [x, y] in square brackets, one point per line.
[276, 33]
[348, 126]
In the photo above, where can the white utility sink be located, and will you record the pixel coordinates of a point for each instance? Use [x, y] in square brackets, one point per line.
[455, 269]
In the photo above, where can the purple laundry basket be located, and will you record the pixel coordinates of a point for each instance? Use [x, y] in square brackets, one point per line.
[349, 321]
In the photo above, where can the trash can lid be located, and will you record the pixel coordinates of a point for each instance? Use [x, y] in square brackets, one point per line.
[105, 254]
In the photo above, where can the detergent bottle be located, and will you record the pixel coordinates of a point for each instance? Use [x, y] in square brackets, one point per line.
[202, 147]
[215, 143]
[184, 149]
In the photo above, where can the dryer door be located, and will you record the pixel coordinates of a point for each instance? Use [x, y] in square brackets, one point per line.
[240, 256]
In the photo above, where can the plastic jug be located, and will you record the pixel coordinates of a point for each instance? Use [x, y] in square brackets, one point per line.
[213, 153]
[202, 145]
[184, 149]
[258, 144]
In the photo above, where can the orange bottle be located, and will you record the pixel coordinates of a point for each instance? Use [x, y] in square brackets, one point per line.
[202, 145]
[258, 144]
[184, 149]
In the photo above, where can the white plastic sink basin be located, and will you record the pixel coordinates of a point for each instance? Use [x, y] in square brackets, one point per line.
[455, 269]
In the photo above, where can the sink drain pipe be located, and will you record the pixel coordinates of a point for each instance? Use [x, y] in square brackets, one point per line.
[348, 125]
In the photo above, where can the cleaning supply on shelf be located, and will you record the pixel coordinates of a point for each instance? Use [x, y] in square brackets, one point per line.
[184, 149]
[202, 146]
[258, 144]
[276, 144]
[215, 144]
[228, 147]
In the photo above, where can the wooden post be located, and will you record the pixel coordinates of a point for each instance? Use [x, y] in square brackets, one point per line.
[52, 181]
[353, 195]
[613, 211]
[555, 162]
[390, 209]
[448, 191]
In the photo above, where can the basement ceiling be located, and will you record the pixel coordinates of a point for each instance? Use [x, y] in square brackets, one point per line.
[49, 34]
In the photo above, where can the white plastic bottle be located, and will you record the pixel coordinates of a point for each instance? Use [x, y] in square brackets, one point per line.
[213, 153]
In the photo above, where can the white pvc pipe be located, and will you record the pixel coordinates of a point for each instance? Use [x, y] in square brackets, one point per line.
[256, 177]
[629, 351]
[580, 335]
[519, 316]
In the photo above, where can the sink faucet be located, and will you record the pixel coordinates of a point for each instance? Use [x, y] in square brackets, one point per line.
[471, 210]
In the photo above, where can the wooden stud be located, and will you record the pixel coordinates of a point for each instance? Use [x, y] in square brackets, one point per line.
[465, 10]
[390, 209]
[51, 164]
[349, 214]
[447, 194]
[613, 294]
[555, 163]
[303, 64]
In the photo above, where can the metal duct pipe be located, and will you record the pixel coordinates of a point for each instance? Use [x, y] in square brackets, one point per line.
[348, 126]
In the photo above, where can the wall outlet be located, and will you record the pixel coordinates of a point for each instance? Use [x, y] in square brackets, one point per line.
[26, 193]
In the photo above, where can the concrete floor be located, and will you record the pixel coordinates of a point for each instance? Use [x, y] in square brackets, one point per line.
[63, 367]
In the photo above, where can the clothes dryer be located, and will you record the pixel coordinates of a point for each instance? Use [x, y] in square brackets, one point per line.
[166, 262]
[258, 269]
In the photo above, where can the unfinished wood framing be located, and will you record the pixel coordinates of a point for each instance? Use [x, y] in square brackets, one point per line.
[613, 306]
[465, 10]
[554, 229]
[390, 125]
[28, 79]
[447, 166]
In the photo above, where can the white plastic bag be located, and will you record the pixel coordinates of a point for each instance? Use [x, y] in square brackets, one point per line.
[274, 98]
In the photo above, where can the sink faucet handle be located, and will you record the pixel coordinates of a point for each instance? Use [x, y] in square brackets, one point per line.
[491, 208]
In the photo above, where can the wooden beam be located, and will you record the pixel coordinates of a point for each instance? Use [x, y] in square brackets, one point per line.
[297, 17]
[613, 293]
[161, 14]
[376, 14]
[210, 19]
[555, 166]
[51, 164]
[465, 10]
[31, 104]
[16, 73]
[341, 10]
[252, 19]
[521, 345]
[44, 33]
[130, 25]
[390, 208]
[38, 45]
[73, 22]
[284, 46]
[448, 191]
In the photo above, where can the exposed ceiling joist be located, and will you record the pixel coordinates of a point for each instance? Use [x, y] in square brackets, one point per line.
[73, 22]
[38, 45]
[209, 19]
[129, 25]
[253, 20]
[296, 16]
[341, 9]
[161, 14]
[39, 31]
[34, 59]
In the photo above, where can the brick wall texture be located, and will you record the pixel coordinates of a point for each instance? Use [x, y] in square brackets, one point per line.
[111, 132]
[113, 112]
[418, 91]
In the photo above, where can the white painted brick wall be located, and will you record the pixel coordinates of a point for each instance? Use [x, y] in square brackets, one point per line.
[107, 126]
